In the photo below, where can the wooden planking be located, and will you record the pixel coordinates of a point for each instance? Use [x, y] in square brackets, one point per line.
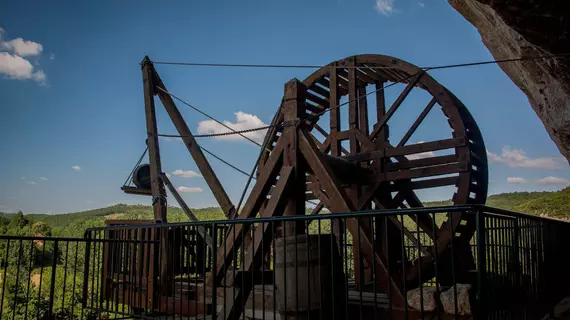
[425, 172]
[425, 147]
[346, 75]
[381, 110]
[318, 100]
[314, 108]
[137, 191]
[365, 77]
[424, 162]
[425, 184]
[319, 90]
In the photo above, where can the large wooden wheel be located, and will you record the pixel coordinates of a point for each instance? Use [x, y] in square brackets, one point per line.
[397, 158]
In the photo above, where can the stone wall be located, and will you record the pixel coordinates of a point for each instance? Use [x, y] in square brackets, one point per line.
[526, 28]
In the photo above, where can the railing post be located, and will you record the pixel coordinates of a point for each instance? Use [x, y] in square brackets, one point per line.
[86, 268]
[52, 284]
[481, 263]
[516, 264]
[212, 269]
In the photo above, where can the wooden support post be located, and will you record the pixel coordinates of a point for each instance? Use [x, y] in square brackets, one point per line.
[336, 146]
[157, 188]
[294, 113]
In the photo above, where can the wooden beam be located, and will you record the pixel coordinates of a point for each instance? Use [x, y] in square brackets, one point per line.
[186, 209]
[340, 202]
[417, 123]
[157, 189]
[293, 110]
[334, 111]
[353, 113]
[425, 184]
[381, 110]
[194, 149]
[259, 245]
[425, 172]
[363, 110]
[254, 202]
[425, 147]
[423, 162]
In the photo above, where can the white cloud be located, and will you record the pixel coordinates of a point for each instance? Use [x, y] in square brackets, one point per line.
[186, 173]
[44, 178]
[13, 66]
[517, 180]
[189, 189]
[89, 201]
[243, 121]
[517, 158]
[385, 7]
[23, 178]
[52, 56]
[421, 4]
[16, 67]
[553, 180]
[31, 182]
[493, 157]
[76, 168]
[21, 47]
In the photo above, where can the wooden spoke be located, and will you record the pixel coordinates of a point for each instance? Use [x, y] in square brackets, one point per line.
[417, 123]
[396, 105]
[318, 208]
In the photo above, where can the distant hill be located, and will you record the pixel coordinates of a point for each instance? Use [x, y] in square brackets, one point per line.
[507, 201]
[552, 204]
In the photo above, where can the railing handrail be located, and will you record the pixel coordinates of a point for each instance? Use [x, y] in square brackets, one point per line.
[37, 238]
[355, 214]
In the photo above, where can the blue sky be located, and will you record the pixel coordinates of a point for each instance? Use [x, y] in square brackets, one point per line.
[72, 108]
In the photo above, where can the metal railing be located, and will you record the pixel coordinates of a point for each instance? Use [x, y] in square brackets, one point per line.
[514, 266]
[42, 277]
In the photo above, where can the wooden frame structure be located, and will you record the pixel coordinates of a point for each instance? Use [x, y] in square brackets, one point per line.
[352, 166]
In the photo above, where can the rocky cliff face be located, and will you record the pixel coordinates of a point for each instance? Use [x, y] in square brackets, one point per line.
[527, 28]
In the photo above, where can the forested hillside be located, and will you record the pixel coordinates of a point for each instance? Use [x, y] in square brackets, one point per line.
[20, 269]
[553, 204]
